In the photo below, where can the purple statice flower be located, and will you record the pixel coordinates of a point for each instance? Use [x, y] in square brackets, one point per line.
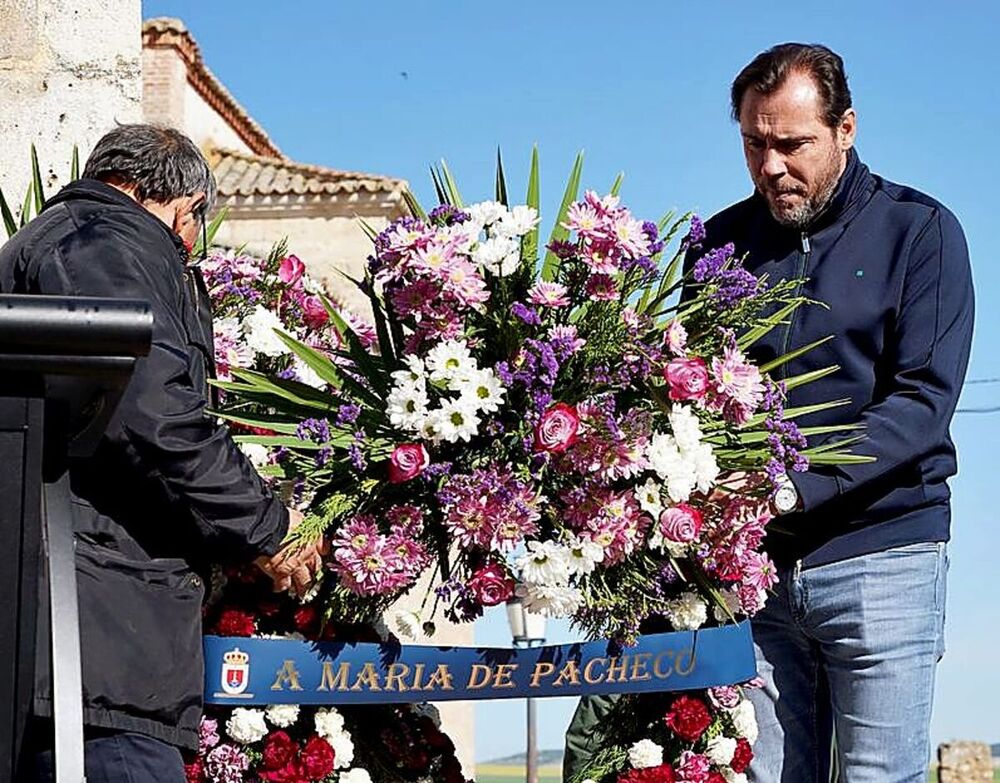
[348, 414]
[436, 470]
[447, 215]
[696, 232]
[287, 374]
[644, 263]
[504, 373]
[652, 232]
[322, 456]
[735, 285]
[712, 263]
[527, 314]
[315, 430]
[563, 249]
[356, 453]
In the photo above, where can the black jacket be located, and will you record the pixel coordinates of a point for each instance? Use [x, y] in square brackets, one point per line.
[167, 490]
[893, 267]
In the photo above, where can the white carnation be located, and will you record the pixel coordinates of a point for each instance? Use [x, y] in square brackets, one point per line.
[706, 468]
[551, 601]
[720, 750]
[645, 753]
[685, 427]
[745, 720]
[256, 453]
[329, 723]
[246, 726]
[307, 375]
[283, 715]
[343, 748]
[259, 329]
[356, 775]
[518, 222]
[688, 612]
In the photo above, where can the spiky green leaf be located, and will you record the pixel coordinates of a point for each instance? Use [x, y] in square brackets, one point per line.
[36, 181]
[550, 267]
[500, 189]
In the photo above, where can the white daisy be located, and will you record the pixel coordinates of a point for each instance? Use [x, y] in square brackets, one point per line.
[583, 555]
[498, 255]
[450, 360]
[406, 406]
[551, 600]
[545, 563]
[414, 372]
[648, 496]
[486, 213]
[456, 420]
[407, 624]
[483, 390]
[518, 222]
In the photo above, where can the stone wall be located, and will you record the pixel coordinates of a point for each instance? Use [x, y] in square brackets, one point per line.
[965, 762]
[68, 71]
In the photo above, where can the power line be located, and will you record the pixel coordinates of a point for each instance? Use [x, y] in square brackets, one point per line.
[979, 410]
[976, 381]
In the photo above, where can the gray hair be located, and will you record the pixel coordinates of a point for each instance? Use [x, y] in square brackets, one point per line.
[161, 163]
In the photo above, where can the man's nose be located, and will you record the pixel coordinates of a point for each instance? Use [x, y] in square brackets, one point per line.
[773, 164]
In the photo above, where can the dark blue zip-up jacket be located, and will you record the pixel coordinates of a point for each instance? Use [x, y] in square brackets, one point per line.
[893, 267]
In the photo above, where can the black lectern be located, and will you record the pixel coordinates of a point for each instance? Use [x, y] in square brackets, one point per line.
[64, 363]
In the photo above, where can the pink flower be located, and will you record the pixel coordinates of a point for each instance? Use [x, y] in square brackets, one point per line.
[408, 461]
[680, 523]
[675, 338]
[738, 386]
[724, 696]
[759, 571]
[557, 429]
[491, 585]
[752, 600]
[291, 269]
[314, 313]
[602, 288]
[548, 294]
[693, 768]
[226, 764]
[688, 379]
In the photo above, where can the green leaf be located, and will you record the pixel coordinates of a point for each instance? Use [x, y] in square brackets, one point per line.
[74, 165]
[836, 445]
[809, 377]
[367, 227]
[26, 206]
[442, 195]
[616, 186]
[285, 427]
[785, 358]
[551, 265]
[451, 185]
[289, 441]
[840, 459]
[386, 347]
[529, 244]
[8, 218]
[501, 183]
[315, 360]
[36, 179]
[761, 436]
[753, 335]
[415, 209]
[210, 231]
[294, 391]
[357, 354]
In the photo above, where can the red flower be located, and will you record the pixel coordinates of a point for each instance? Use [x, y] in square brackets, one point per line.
[290, 773]
[317, 758]
[715, 777]
[688, 718]
[314, 312]
[194, 772]
[556, 431]
[235, 622]
[408, 461]
[743, 755]
[306, 618]
[491, 585]
[661, 774]
[279, 750]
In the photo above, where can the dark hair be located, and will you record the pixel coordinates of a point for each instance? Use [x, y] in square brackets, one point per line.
[769, 70]
[160, 162]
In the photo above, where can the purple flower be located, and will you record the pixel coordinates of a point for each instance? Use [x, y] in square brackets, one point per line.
[526, 314]
[356, 454]
[712, 263]
[315, 430]
[735, 285]
[226, 764]
[447, 215]
[696, 232]
[563, 249]
[348, 414]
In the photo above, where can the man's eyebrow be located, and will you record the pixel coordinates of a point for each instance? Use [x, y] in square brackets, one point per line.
[778, 138]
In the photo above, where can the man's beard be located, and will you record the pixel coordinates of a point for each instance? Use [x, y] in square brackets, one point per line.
[802, 215]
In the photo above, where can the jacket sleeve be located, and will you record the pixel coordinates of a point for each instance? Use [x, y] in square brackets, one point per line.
[929, 351]
[160, 422]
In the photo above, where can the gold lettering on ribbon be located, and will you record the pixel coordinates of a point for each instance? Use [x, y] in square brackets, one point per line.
[329, 682]
[441, 678]
[503, 674]
[542, 669]
[689, 656]
[395, 677]
[621, 669]
[479, 676]
[639, 673]
[587, 669]
[368, 676]
[570, 673]
[418, 677]
[287, 675]
[662, 674]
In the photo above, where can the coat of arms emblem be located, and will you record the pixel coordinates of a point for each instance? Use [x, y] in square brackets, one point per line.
[235, 672]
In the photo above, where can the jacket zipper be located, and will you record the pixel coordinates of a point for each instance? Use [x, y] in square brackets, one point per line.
[806, 250]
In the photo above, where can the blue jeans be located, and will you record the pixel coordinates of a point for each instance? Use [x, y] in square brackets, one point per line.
[850, 649]
[122, 758]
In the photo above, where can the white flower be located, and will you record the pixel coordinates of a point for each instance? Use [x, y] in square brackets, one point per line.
[307, 375]
[413, 374]
[545, 563]
[583, 555]
[551, 601]
[259, 329]
[518, 222]
[688, 612]
[483, 390]
[648, 496]
[428, 711]
[645, 753]
[256, 453]
[407, 624]
[666, 460]
[732, 599]
[343, 747]
[246, 726]
[486, 213]
[720, 750]
[356, 775]
[455, 420]
[406, 406]
[685, 427]
[745, 720]
[732, 776]
[283, 715]
[706, 469]
[328, 722]
[450, 360]
[498, 255]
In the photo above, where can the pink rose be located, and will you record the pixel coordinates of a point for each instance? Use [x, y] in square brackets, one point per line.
[314, 313]
[491, 585]
[556, 431]
[408, 461]
[291, 270]
[688, 379]
[680, 523]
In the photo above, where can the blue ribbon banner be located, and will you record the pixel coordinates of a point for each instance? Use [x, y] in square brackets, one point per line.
[241, 671]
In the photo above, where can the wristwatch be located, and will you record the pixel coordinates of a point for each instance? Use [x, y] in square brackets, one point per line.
[786, 497]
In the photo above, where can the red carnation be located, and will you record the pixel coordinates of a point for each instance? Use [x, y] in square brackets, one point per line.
[194, 772]
[688, 718]
[742, 756]
[306, 619]
[716, 777]
[235, 622]
[279, 750]
[317, 758]
[661, 774]
[290, 773]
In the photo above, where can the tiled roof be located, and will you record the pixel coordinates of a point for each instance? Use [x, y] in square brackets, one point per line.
[166, 32]
[239, 174]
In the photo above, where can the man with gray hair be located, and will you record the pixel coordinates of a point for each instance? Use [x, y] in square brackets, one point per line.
[167, 492]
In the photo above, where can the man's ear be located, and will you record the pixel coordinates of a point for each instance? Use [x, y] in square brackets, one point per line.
[847, 130]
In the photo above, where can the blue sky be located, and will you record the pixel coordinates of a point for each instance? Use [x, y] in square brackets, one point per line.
[642, 87]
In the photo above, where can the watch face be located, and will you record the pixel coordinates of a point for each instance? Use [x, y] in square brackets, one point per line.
[786, 498]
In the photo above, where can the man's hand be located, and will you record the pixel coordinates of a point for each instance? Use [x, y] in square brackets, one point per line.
[295, 566]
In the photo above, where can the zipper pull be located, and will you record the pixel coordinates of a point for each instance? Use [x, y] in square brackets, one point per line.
[806, 247]
[797, 572]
